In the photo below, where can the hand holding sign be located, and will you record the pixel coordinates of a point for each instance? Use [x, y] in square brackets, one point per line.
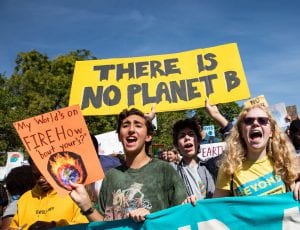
[60, 145]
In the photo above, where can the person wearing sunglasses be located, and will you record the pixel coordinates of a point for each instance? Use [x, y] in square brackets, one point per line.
[259, 159]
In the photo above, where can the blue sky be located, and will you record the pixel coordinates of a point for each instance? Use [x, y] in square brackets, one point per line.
[267, 33]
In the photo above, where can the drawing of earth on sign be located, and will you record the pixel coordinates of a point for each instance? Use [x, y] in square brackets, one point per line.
[65, 167]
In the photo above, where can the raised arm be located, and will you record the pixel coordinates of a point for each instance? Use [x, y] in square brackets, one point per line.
[215, 114]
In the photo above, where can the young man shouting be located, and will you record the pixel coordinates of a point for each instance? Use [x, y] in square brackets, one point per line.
[140, 186]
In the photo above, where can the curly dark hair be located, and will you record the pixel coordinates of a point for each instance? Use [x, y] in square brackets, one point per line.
[182, 124]
[20, 180]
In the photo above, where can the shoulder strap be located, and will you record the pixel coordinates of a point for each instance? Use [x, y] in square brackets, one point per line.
[186, 182]
[231, 185]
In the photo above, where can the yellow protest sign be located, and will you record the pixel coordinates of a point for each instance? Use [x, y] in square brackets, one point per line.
[177, 81]
[259, 100]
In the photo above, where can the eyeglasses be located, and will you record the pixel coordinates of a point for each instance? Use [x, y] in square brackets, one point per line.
[260, 120]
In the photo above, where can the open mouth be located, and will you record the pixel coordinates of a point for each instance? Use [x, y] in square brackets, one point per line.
[188, 146]
[256, 134]
[131, 139]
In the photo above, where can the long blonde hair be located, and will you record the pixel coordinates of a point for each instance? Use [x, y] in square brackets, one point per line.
[279, 149]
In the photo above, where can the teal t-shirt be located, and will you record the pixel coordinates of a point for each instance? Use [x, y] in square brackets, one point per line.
[155, 186]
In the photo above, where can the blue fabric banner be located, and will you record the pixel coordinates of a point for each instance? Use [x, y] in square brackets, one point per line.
[268, 212]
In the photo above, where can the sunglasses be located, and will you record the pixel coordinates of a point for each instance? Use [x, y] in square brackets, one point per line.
[260, 120]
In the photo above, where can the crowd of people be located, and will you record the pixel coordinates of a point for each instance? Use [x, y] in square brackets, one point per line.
[257, 150]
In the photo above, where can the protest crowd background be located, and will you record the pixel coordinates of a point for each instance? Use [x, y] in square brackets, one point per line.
[40, 85]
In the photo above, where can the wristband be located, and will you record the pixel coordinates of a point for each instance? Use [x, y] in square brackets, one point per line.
[88, 211]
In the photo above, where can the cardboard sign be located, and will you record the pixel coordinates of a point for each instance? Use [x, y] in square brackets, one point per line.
[177, 81]
[14, 159]
[108, 143]
[209, 130]
[208, 151]
[259, 100]
[60, 145]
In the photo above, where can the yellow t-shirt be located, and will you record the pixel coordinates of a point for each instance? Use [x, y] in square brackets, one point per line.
[33, 206]
[256, 178]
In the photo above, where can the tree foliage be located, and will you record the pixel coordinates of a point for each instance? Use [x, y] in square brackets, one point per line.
[8, 114]
[39, 85]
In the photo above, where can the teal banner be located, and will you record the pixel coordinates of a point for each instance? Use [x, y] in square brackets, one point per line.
[267, 212]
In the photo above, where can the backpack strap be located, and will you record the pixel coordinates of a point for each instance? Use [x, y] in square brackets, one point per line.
[231, 185]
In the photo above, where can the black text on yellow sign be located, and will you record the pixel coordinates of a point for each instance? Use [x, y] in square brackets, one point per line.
[172, 82]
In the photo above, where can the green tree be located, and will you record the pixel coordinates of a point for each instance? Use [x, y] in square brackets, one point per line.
[39, 85]
[44, 85]
[165, 121]
[8, 114]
